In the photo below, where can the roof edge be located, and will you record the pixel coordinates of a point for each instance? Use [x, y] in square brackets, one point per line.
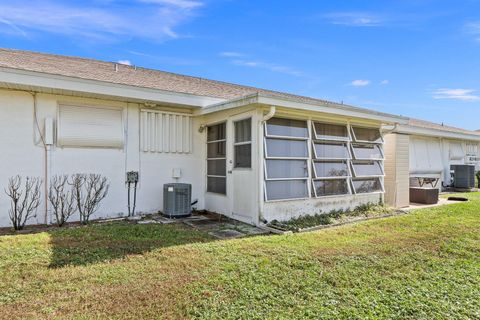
[432, 132]
[325, 107]
[81, 85]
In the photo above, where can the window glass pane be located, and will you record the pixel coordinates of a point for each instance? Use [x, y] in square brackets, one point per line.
[367, 151]
[287, 127]
[331, 169]
[286, 189]
[330, 187]
[332, 150]
[243, 130]
[367, 185]
[331, 131]
[368, 168]
[277, 169]
[243, 156]
[216, 167]
[367, 134]
[216, 185]
[216, 132]
[216, 150]
[287, 148]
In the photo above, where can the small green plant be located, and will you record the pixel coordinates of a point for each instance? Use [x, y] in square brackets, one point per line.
[306, 221]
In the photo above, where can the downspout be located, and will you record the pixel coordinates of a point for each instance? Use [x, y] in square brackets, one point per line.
[391, 130]
[265, 118]
[45, 157]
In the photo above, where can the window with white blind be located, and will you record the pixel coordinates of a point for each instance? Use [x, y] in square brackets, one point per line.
[286, 159]
[165, 132]
[472, 149]
[216, 159]
[332, 159]
[88, 126]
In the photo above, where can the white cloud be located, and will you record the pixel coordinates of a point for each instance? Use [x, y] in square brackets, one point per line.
[268, 66]
[456, 94]
[231, 54]
[125, 62]
[473, 28]
[355, 19]
[186, 4]
[154, 20]
[384, 82]
[360, 83]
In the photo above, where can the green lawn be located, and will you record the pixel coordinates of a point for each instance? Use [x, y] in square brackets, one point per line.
[424, 265]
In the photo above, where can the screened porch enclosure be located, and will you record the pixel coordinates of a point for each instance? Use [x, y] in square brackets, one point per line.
[314, 159]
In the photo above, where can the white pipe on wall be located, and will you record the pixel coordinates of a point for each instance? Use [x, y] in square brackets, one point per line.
[45, 148]
[265, 118]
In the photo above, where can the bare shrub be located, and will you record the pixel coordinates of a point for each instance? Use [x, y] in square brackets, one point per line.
[90, 190]
[62, 197]
[24, 199]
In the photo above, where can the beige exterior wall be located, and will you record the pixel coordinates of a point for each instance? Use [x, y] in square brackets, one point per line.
[397, 172]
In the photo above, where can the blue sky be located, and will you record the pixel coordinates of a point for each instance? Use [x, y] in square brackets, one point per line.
[419, 58]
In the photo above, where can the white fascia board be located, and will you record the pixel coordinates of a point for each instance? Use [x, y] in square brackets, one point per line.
[59, 82]
[429, 132]
[330, 108]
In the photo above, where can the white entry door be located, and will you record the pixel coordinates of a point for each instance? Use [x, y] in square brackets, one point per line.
[242, 168]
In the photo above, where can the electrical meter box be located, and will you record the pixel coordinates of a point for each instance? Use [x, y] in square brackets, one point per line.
[131, 177]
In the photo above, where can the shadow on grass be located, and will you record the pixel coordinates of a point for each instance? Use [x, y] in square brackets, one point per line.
[109, 241]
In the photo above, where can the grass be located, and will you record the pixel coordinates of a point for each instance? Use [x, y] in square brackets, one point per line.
[332, 217]
[424, 265]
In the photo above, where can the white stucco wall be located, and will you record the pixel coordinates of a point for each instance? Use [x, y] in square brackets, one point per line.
[22, 153]
[18, 153]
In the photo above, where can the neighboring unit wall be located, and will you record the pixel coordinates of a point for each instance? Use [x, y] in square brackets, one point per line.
[430, 156]
[397, 171]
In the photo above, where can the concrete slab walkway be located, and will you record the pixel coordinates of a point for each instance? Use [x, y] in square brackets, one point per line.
[441, 202]
[216, 225]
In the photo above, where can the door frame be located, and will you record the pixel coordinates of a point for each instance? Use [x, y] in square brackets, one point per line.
[252, 217]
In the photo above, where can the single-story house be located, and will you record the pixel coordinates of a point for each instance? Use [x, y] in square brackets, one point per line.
[251, 154]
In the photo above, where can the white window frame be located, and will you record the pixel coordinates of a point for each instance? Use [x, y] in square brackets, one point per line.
[317, 137]
[267, 157]
[311, 173]
[265, 171]
[217, 158]
[382, 186]
[315, 158]
[352, 145]
[347, 180]
[316, 177]
[268, 135]
[346, 143]
[352, 128]
[355, 175]
[243, 143]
